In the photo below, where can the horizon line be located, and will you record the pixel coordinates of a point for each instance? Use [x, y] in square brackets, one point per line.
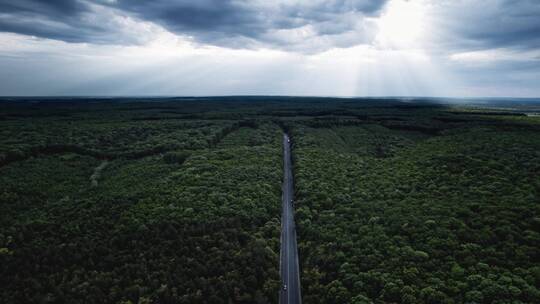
[262, 95]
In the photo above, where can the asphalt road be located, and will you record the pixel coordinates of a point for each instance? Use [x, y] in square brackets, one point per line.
[290, 275]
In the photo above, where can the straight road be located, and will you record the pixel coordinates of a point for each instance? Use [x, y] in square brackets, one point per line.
[290, 275]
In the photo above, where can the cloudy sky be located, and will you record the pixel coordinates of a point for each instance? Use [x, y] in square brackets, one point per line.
[279, 47]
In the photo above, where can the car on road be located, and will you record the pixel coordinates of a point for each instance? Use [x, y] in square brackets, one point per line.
[285, 287]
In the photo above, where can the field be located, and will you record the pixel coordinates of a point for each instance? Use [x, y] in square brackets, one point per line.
[179, 201]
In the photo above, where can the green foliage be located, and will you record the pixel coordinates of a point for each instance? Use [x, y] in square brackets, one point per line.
[179, 201]
[176, 157]
[139, 228]
[440, 219]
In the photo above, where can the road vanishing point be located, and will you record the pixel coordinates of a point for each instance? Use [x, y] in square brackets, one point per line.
[290, 274]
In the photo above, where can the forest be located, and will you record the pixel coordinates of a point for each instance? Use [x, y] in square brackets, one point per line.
[178, 200]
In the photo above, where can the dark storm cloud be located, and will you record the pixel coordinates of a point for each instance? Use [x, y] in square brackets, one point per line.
[518, 23]
[78, 21]
[225, 22]
[206, 20]
[247, 23]
[49, 7]
[55, 19]
[220, 22]
[492, 24]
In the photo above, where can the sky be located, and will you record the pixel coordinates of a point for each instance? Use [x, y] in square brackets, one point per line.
[450, 48]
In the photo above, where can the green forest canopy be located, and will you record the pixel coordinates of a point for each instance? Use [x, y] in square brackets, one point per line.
[179, 201]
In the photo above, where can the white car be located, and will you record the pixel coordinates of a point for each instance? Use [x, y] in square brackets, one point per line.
[285, 287]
